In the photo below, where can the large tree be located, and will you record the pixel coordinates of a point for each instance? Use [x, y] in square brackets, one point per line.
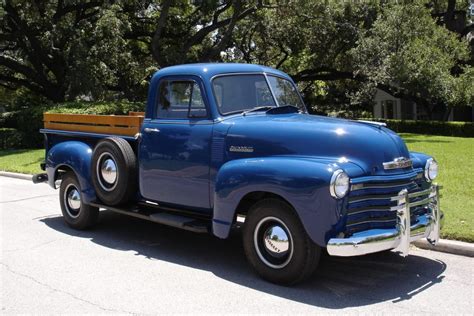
[62, 49]
[407, 54]
[338, 52]
[341, 52]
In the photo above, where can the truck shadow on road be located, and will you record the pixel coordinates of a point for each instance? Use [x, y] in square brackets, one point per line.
[338, 283]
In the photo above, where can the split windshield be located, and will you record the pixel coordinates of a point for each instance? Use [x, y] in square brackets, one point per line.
[239, 93]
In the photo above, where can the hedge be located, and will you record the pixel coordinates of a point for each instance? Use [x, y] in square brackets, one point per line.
[29, 120]
[458, 129]
[10, 138]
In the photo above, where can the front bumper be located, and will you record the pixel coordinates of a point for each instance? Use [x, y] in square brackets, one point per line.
[399, 238]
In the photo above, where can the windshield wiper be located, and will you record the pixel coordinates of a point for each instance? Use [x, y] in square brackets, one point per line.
[283, 109]
[258, 108]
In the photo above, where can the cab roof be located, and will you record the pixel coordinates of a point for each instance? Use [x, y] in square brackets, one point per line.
[209, 70]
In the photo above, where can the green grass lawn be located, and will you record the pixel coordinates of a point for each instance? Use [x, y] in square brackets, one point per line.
[455, 156]
[21, 160]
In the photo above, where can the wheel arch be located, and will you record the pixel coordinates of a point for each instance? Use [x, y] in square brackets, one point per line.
[72, 156]
[302, 183]
[249, 199]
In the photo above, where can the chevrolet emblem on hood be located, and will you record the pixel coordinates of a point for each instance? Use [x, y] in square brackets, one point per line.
[241, 149]
[398, 163]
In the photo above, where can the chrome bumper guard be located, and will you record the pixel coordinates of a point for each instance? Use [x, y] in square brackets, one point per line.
[399, 238]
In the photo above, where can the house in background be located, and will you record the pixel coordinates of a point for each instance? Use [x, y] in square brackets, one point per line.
[389, 107]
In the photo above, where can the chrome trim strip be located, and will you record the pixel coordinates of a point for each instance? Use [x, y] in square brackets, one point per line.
[372, 221]
[386, 178]
[398, 163]
[356, 199]
[378, 124]
[389, 185]
[399, 238]
[414, 194]
[386, 209]
[414, 204]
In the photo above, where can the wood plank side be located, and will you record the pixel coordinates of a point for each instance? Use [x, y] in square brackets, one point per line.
[131, 113]
[125, 131]
[113, 120]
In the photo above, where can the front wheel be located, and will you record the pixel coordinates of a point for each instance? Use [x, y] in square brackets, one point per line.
[276, 243]
[75, 213]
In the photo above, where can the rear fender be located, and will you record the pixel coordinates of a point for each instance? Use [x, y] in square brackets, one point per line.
[76, 156]
[302, 182]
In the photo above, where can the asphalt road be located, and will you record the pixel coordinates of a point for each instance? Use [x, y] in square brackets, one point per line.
[126, 265]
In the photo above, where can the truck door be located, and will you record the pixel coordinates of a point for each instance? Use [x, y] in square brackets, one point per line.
[175, 146]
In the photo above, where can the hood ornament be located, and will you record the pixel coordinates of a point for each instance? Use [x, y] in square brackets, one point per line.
[398, 163]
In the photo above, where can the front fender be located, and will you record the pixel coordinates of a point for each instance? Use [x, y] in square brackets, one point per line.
[76, 156]
[419, 159]
[302, 182]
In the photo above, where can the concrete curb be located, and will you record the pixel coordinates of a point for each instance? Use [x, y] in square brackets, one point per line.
[444, 245]
[15, 175]
[448, 246]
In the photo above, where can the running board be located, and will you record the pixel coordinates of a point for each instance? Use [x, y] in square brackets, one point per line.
[165, 218]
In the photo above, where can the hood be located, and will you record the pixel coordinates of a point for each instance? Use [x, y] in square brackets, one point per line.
[331, 139]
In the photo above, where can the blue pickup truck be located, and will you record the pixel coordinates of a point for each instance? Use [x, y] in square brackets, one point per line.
[232, 145]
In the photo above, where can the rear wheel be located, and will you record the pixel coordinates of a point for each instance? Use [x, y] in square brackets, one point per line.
[276, 244]
[114, 171]
[76, 214]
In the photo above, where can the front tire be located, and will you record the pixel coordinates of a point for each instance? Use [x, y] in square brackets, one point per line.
[75, 213]
[276, 243]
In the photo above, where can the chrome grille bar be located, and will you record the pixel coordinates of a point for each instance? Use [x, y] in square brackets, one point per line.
[374, 204]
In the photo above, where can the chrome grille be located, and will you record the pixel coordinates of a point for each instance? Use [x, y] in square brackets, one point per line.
[370, 204]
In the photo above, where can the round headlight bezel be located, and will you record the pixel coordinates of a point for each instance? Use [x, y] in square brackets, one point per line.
[431, 166]
[338, 178]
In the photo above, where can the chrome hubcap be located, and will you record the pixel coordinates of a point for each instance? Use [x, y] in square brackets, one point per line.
[276, 241]
[72, 200]
[273, 242]
[107, 173]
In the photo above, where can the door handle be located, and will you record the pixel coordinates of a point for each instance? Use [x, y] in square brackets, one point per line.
[151, 130]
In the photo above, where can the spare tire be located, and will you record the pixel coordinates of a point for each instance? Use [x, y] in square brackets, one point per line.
[114, 171]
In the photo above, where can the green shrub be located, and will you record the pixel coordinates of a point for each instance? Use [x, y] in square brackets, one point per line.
[101, 108]
[10, 138]
[28, 120]
[458, 129]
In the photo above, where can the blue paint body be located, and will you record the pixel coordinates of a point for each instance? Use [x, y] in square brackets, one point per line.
[188, 163]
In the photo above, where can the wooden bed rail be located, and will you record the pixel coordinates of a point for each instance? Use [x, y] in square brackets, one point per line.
[125, 125]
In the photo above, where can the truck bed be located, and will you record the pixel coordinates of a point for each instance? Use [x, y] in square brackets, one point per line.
[121, 125]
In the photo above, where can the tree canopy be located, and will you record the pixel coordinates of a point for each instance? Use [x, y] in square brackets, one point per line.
[339, 52]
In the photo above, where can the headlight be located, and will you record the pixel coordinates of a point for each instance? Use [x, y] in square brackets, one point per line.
[339, 185]
[431, 169]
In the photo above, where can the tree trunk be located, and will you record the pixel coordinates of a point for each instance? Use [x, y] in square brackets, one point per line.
[155, 43]
[447, 113]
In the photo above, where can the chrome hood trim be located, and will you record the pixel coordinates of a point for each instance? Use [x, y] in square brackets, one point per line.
[398, 163]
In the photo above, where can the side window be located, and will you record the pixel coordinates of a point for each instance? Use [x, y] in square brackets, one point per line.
[197, 107]
[180, 100]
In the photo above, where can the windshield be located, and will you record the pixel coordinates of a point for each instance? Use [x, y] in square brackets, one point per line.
[285, 92]
[239, 93]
